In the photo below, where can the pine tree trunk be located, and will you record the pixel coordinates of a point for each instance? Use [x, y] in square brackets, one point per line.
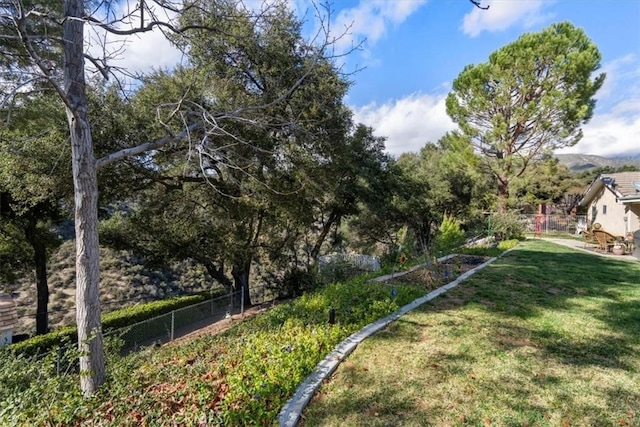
[503, 195]
[92, 372]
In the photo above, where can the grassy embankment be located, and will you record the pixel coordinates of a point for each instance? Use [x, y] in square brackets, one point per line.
[545, 335]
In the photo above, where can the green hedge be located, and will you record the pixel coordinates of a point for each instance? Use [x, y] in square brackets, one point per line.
[493, 251]
[114, 320]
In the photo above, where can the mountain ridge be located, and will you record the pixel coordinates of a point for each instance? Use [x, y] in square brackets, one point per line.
[583, 162]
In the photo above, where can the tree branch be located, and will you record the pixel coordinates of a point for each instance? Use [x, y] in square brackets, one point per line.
[151, 145]
[478, 4]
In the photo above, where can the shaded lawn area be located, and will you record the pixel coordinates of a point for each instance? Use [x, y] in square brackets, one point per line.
[546, 335]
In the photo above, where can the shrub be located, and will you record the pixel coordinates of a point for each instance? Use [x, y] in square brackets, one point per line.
[337, 268]
[506, 226]
[449, 236]
[43, 343]
[295, 283]
[405, 249]
[493, 250]
[508, 244]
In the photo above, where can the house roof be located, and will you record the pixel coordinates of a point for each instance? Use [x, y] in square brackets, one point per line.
[625, 186]
[8, 314]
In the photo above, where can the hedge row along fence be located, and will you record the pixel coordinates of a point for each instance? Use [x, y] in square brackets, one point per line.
[111, 321]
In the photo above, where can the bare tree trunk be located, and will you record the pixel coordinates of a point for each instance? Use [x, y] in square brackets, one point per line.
[240, 273]
[92, 372]
[326, 227]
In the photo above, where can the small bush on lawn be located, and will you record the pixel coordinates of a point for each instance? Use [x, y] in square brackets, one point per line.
[240, 377]
[507, 226]
[508, 244]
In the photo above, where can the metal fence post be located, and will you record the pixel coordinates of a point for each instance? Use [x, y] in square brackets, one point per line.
[173, 320]
[231, 303]
[242, 301]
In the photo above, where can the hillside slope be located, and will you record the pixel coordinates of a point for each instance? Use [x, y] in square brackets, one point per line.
[124, 280]
[582, 162]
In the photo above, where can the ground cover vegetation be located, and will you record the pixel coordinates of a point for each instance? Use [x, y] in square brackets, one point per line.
[240, 377]
[244, 159]
[545, 335]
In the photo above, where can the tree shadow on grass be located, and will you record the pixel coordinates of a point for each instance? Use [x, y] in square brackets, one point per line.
[449, 397]
[624, 315]
[522, 289]
[527, 284]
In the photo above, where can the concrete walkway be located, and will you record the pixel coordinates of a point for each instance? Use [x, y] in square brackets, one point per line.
[579, 245]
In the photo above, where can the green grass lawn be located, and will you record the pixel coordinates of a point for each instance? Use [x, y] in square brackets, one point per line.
[543, 336]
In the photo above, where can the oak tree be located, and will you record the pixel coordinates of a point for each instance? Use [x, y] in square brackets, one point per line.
[35, 188]
[43, 43]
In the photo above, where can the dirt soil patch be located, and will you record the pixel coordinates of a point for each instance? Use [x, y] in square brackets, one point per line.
[435, 275]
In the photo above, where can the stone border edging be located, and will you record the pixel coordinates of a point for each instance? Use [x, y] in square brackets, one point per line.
[292, 410]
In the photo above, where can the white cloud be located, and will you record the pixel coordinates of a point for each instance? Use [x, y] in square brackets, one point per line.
[609, 135]
[614, 129]
[503, 14]
[622, 76]
[139, 53]
[408, 123]
[370, 20]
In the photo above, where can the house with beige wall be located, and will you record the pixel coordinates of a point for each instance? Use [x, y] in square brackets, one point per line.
[613, 201]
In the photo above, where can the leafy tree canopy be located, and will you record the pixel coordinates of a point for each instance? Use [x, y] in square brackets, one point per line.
[530, 98]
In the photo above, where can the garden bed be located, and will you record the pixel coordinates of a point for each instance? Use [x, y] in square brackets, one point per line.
[438, 274]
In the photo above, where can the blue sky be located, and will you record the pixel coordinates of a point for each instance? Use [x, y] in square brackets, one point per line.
[413, 49]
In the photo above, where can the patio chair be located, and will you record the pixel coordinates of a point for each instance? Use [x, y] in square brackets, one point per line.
[606, 240]
[589, 238]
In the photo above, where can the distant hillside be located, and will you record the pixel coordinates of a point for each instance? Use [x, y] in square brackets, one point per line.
[583, 162]
[124, 280]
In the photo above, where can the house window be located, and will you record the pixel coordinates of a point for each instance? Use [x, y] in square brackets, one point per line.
[604, 209]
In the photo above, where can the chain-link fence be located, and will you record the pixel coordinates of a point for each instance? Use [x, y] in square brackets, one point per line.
[169, 326]
[172, 325]
[544, 224]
